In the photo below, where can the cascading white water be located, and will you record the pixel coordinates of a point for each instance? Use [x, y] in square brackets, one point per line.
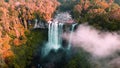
[71, 35]
[55, 31]
[39, 24]
[35, 26]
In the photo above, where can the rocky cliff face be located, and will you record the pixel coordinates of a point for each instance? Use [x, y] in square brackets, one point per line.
[14, 17]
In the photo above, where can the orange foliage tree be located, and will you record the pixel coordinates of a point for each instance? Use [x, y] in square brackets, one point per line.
[97, 7]
[14, 17]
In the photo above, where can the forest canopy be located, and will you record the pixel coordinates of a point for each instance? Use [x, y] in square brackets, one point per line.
[16, 16]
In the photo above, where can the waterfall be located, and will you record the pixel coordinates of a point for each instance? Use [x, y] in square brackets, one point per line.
[71, 35]
[55, 31]
[39, 24]
[35, 26]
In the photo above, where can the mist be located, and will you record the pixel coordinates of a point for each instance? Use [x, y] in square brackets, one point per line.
[98, 43]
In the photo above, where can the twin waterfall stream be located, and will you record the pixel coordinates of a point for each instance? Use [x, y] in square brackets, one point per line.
[55, 32]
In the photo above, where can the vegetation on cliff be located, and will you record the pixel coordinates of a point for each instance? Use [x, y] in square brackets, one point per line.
[24, 54]
[103, 14]
[15, 17]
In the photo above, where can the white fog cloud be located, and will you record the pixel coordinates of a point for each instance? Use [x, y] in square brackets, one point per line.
[97, 43]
